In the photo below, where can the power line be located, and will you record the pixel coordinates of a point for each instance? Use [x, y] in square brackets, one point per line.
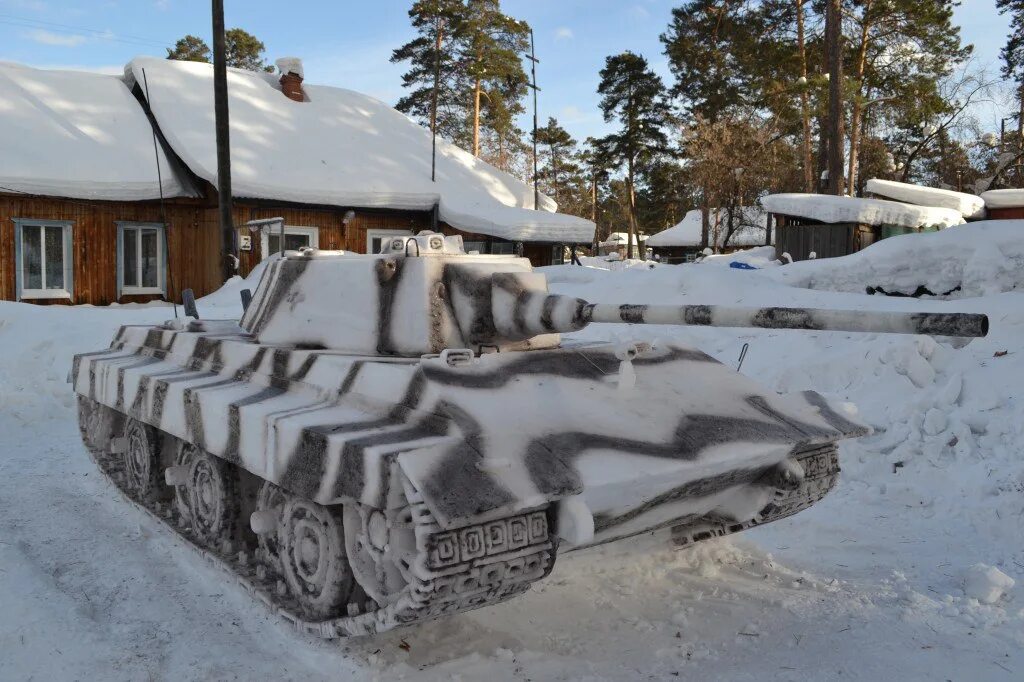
[25, 22]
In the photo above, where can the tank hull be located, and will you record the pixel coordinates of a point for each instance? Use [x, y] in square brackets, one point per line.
[496, 457]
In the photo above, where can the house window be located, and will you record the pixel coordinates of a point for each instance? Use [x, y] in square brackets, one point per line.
[375, 239]
[478, 246]
[44, 260]
[141, 260]
[503, 248]
[558, 254]
[295, 238]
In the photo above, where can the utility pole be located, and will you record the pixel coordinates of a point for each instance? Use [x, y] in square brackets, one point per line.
[834, 42]
[533, 84]
[433, 98]
[228, 240]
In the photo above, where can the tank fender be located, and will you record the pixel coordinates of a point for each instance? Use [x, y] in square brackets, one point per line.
[460, 486]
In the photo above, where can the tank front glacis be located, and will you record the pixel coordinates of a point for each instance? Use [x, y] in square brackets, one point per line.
[353, 459]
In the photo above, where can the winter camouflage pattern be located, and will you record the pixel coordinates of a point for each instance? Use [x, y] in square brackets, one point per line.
[415, 395]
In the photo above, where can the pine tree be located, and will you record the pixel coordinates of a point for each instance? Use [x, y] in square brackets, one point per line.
[902, 49]
[492, 45]
[1013, 54]
[242, 49]
[438, 23]
[632, 94]
[482, 83]
[558, 154]
[190, 49]
[706, 44]
[596, 164]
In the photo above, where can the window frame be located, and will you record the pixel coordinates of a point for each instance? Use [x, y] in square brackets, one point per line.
[312, 232]
[370, 234]
[161, 259]
[22, 293]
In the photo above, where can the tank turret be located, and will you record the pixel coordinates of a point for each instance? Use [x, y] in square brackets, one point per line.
[424, 294]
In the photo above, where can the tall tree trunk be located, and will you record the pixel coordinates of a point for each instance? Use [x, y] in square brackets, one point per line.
[858, 101]
[632, 209]
[476, 118]
[805, 108]
[593, 210]
[1020, 135]
[554, 172]
[834, 44]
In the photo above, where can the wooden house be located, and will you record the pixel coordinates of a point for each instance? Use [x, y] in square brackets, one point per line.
[81, 215]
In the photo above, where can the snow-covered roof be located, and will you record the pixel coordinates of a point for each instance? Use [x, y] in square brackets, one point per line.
[79, 135]
[1004, 198]
[340, 148]
[620, 239]
[688, 231]
[832, 209]
[969, 205]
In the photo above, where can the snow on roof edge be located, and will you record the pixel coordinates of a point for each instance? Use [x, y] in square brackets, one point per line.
[843, 209]
[1004, 198]
[969, 205]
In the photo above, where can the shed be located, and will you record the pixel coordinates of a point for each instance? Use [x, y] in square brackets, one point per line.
[830, 226]
[1004, 204]
[683, 242]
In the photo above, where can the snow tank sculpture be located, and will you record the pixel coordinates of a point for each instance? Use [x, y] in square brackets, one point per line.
[382, 440]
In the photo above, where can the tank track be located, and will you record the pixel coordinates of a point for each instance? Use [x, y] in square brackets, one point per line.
[454, 571]
[821, 473]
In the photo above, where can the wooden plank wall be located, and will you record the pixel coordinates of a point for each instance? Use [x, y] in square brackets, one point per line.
[94, 243]
[799, 238]
[193, 238]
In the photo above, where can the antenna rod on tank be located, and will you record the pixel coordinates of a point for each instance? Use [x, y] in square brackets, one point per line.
[228, 240]
[160, 186]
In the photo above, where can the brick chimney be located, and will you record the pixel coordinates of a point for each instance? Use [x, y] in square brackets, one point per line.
[291, 78]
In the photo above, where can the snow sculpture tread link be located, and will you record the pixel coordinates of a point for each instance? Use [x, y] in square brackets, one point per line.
[425, 444]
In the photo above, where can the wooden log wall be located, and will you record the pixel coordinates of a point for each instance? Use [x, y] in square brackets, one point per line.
[191, 237]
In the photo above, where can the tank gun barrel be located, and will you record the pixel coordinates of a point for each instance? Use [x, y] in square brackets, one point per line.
[933, 324]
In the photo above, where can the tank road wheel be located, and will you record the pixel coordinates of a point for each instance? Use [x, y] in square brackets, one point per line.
[312, 552]
[141, 459]
[382, 549]
[187, 453]
[213, 498]
[270, 499]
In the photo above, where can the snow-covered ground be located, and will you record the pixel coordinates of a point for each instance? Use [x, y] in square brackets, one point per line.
[870, 584]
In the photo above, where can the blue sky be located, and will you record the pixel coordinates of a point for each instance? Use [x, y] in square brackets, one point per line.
[348, 42]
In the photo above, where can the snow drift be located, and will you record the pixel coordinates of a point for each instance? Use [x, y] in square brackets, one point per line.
[978, 259]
